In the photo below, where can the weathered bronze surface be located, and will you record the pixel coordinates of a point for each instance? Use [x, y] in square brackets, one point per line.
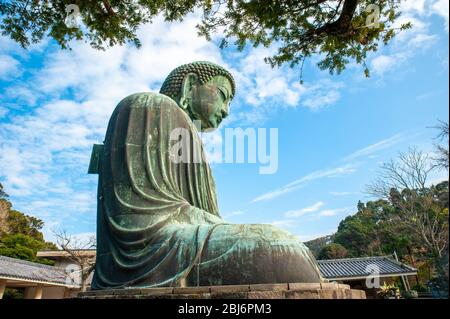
[158, 222]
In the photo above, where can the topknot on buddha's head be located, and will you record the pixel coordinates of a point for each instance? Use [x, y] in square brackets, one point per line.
[204, 70]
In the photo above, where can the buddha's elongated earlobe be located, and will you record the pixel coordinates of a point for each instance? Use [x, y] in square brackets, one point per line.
[184, 103]
[186, 90]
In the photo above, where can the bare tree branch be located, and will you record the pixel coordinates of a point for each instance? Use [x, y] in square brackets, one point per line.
[404, 183]
[75, 247]
[442, 158]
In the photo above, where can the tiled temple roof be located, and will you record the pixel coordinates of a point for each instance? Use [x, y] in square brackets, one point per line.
[17, 269]
[349, 268]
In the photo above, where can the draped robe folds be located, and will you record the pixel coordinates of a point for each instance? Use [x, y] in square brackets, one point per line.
[158, 222]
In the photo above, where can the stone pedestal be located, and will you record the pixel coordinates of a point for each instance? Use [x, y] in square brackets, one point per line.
[259, 291]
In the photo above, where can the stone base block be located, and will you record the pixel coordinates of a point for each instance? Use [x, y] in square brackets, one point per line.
[259, 291]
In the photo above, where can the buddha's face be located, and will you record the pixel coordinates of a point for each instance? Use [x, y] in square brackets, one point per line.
[209, 102]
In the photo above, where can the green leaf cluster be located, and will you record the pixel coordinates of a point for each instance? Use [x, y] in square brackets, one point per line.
[337, 31]
[20, 235]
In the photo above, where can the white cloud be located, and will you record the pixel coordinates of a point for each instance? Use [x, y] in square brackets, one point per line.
[333, 172]
[261, 82]
[407, 43]
[331, 212]
[231, 214]
[328, 212]
[7, 45]
[322, 94]
[346, 169]
[416, 6]
[9, 67]
[382, 63]
[3, 111]
[300, 212]
[315, 211]
[308, 237]
[376, 147]
[423, 41]
[440, 8]
[427, 95]
[284, 223]
[341, 193]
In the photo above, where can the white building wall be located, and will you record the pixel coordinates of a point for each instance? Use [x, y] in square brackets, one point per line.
[47, 292]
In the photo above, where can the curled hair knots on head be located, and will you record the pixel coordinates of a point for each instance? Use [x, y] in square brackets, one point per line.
[204, 70]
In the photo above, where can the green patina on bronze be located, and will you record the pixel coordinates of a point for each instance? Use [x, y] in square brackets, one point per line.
[158, 223]
[191, 81]
[204, 70]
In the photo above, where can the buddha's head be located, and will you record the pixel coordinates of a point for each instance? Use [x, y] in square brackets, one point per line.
[203, 90]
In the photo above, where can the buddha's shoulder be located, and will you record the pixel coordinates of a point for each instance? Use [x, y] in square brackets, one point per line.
[147, 99]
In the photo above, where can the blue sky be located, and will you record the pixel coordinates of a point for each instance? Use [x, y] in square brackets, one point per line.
[333, 131]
